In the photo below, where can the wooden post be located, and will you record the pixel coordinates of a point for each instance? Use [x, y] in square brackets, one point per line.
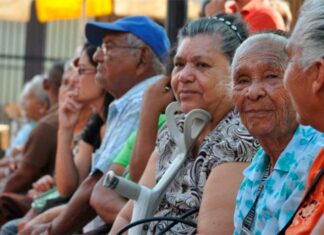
[35, 46]
[176, 17]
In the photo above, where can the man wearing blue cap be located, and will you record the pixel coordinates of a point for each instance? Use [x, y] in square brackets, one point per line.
[131, 53]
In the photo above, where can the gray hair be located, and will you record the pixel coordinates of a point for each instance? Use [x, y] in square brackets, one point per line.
[229, 28]
[134, 41]
[309, 32]
[269, 39]
[35, 85]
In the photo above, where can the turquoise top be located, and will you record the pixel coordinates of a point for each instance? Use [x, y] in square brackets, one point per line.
[283, 189]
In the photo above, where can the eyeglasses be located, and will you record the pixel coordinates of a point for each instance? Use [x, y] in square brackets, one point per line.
[106, 48]
[82, 71]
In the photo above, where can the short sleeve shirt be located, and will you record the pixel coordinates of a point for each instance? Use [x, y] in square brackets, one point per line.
[283, 189]
[228, 142]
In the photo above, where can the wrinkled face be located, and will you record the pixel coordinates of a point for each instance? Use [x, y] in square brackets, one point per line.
[88, 89]
[258, 90]
[116, 64]
[297, 82]
[200, 78]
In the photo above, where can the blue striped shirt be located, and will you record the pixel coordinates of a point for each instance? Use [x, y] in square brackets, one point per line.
[283, 189]
[123, 120]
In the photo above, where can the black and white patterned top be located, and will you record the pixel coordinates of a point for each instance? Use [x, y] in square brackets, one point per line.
[228, 142]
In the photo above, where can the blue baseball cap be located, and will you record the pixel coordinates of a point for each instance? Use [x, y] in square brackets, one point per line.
[141, 26]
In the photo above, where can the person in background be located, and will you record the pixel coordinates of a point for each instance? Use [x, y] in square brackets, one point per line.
[304, 80]
[35, 103]
[283, 7]
[259, 15]
[38, 155]
[202, 10]
[275, 181]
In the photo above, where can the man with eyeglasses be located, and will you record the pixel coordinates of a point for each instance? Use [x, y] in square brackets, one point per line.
[130, 55]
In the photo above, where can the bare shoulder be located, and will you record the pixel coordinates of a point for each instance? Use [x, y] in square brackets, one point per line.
[219, 197]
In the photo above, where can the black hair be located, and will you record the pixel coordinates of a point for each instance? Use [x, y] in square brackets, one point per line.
[90, 49]
[230, 27]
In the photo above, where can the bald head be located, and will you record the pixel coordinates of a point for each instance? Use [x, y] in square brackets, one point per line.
[264, 44]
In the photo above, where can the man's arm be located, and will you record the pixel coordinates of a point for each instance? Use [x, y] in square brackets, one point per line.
[37, 155]
[147, 179]
[107, 202]
[21, 180]
[78, 212]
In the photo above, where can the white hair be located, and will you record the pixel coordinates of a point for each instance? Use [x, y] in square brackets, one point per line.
[35, 85]
[309, 32]
[134, 41]
[267, 39]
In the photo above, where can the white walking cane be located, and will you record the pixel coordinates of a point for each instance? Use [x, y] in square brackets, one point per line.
[146, 200]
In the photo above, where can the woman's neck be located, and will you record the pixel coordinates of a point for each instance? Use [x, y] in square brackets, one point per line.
[220, 113]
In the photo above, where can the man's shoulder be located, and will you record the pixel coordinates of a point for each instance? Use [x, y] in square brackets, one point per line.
[133, 98]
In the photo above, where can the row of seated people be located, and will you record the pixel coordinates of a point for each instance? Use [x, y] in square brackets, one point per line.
[251, 88]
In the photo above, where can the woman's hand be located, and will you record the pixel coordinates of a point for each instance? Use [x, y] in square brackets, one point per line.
[42, 185]
[158, 96]
[69, 110]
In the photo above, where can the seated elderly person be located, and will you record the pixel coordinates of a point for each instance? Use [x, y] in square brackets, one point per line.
[201, 79]
[38, 154]
[34, 102]
[305, 78]
[274, 183]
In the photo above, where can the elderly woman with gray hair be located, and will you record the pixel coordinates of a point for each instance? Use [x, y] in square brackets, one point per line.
[304, 80]
[35, 103]
[274, 183]
[210, 176]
